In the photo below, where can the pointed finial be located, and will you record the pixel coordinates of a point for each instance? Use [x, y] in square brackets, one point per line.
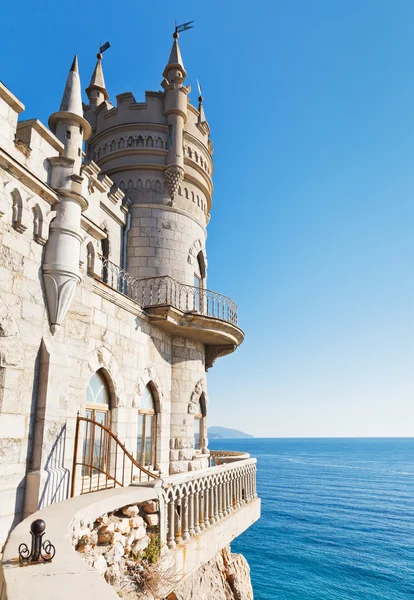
[75, 66]
[71, 105]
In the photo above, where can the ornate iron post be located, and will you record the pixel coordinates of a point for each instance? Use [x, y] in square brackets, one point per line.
[40, 551]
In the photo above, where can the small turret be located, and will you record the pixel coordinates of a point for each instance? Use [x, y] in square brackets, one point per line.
[96, 91]
[61, 274]
[68, 123]
[176, 112]
[174, 70]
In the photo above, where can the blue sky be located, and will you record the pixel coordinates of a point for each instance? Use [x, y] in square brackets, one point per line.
[311, 106]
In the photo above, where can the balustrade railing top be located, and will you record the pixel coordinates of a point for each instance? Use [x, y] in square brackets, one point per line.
[160, 291]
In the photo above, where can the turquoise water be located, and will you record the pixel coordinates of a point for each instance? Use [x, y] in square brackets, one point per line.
[337, 519]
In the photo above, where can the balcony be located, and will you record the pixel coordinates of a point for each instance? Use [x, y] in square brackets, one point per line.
[183, 310]
[200, 513]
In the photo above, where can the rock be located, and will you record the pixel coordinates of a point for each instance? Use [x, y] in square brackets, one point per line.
[130, 511]
[130, 539]
[122, 526]
[84, 546]
[103, 520]
[106, 534]
[140, 533]
[113, 575]
[139, 546]
[150, 507]
[225, 577]
[118, 537]
[115, 554]
[100, 564]
[136, 522]
[152, 520]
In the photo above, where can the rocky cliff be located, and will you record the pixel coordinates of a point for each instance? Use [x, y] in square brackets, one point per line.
[225, 577]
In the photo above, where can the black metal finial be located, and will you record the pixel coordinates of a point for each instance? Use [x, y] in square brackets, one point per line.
[40, 551]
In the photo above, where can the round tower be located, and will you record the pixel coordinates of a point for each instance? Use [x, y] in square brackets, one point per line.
[160, 154]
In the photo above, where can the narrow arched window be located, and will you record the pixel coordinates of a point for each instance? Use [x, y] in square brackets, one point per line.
[105, 257]
[199, 418]
[199, 275]
[97, 410]
[147, 427]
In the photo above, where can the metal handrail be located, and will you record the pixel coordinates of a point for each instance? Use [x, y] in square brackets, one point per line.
[105, 463]
[162, 291]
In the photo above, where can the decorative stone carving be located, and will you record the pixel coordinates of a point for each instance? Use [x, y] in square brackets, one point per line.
[195, 249]
[101, 358]
[195, 397]
[173, 176]
[149, 375]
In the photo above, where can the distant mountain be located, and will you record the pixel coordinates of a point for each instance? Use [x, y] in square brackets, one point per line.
[216, 432]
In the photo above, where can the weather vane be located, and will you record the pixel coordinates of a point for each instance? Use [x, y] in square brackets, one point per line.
[200, 93]
[102, 49]
[183, 27]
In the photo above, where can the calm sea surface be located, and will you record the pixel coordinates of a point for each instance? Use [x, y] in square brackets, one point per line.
[337, 519]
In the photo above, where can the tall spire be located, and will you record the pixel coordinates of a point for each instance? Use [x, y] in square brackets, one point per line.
[97, 92]
[175, 62]
[71, 105]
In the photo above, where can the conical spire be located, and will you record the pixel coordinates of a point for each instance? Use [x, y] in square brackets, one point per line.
[175, 61]
[71, 105]
[97, 80]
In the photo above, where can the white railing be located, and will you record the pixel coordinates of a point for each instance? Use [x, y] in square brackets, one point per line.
[161, 291]
[198, 501]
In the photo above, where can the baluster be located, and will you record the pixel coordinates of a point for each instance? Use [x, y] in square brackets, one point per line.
[202, 513]
[220, 500]
[254, 481]
[184, 517]
[197, 512]
[178, 516]
[206, 497]
[211, 516]
[248, 479]
[191, 510]
[224, 498]
[171, 524]
[238, 489]
[214, 502]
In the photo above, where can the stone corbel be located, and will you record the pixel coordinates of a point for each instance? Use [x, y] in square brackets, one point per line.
[174, 175]
[213, 352]
[60, 289]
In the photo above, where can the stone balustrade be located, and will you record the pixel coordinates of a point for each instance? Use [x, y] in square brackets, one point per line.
[201, 500]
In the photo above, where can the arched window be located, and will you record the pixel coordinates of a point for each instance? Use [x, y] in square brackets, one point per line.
[97, 409]
[147, 427]
[199, 416]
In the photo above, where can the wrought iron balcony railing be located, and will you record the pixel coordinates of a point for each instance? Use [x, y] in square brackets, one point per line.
[161, 291]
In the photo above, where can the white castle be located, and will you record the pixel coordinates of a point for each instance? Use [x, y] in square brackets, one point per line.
[107, 329]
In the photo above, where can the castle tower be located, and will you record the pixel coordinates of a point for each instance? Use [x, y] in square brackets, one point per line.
[159, 153]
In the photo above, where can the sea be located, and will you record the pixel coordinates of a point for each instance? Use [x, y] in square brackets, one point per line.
[337, 518]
